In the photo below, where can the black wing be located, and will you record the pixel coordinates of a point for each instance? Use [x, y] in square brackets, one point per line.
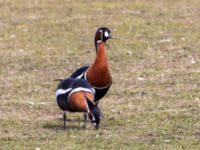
[79, 72]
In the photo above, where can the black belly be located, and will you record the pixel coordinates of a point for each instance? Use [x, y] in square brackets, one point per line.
[100, 93]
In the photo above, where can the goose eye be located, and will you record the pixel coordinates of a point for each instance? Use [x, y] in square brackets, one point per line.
[106, 34]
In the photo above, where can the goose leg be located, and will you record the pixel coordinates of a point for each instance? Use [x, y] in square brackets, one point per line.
[64, 119]
[85, 120]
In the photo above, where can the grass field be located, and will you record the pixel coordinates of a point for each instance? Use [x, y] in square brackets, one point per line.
[154, 102]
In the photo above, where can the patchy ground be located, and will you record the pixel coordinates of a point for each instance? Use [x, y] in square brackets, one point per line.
[154, 102]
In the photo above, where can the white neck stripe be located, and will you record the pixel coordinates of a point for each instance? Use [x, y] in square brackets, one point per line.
[99, 41]
[103, 87]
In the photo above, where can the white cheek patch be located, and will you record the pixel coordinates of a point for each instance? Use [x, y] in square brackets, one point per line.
[106, 34]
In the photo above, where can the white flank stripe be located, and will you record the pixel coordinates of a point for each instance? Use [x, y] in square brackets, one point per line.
[80, 89]
[93, 90]
[61, 91]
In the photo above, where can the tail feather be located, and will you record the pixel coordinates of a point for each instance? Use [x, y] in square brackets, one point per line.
[58, 79]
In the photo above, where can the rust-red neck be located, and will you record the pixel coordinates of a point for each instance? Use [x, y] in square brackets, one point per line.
[101, 60]
[98, 74]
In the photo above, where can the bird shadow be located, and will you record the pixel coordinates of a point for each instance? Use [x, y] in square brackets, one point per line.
[58, 125]
[71, 120]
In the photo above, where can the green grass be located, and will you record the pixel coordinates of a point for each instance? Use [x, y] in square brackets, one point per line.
[154, 102]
